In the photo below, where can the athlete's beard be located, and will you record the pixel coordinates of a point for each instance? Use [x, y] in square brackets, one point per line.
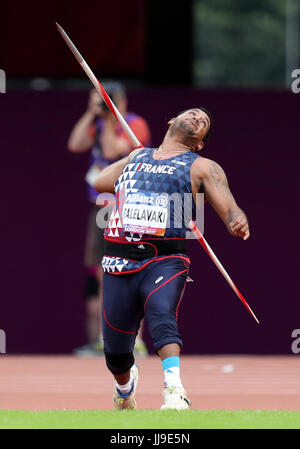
[186, 133]
[182, 127]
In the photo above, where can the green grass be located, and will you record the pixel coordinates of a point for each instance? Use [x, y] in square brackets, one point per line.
[150, 419]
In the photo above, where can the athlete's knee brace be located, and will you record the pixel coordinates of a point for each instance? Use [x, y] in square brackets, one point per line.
[119, 363]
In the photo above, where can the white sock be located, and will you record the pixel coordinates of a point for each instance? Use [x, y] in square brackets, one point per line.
[171, 368]
[172, 377]
[124, 389]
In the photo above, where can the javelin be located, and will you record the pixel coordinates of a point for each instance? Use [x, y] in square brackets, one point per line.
[99, 88]
[214, 258]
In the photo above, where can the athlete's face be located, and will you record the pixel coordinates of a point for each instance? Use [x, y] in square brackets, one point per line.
[194, 123]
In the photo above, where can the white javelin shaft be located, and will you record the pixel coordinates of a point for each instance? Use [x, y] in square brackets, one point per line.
[219, 265]
[227, 277]
[96, 84]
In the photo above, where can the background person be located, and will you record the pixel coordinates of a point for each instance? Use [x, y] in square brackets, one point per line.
[98, 131]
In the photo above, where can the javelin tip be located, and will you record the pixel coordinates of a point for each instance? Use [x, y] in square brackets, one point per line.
[258, 322]
[60, 28]
[70, 43]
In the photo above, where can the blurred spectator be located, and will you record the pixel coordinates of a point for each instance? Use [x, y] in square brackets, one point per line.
[98, 131]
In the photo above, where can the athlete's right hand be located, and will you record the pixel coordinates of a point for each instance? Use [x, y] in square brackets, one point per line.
[239, 227]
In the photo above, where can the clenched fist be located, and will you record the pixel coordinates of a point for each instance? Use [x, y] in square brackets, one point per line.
[239, 227]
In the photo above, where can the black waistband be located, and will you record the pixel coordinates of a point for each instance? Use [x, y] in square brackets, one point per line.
[145, 249]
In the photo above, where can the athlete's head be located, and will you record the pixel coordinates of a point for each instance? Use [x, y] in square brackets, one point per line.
[194, 125]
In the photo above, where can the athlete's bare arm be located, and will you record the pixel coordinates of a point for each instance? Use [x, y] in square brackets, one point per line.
[210, 177]
[108, 176]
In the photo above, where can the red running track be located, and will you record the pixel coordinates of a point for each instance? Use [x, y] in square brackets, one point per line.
[212, 382]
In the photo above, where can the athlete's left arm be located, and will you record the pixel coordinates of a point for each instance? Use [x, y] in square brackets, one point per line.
[108, 176]
[210, 176]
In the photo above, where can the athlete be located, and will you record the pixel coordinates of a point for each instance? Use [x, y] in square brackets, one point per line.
[145, 261]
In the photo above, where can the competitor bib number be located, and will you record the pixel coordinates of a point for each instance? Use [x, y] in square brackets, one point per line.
[145, 213]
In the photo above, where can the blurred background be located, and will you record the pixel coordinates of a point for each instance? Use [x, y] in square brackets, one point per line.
[235, 58]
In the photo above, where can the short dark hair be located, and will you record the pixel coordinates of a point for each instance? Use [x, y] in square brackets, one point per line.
[204, 140]
[114, 87]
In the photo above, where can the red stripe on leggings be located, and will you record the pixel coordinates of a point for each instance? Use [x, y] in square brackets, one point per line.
[181, 296]
[114, 328]
[157, 288]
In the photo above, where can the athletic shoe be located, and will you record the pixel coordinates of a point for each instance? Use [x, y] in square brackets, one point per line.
[123, 401]
[140, 349]
[175, 399]
[94, 349]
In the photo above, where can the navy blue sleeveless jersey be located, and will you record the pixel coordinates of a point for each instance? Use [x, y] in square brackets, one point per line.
[153, 200]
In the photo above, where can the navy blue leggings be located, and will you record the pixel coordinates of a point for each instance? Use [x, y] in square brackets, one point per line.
[154, 292]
